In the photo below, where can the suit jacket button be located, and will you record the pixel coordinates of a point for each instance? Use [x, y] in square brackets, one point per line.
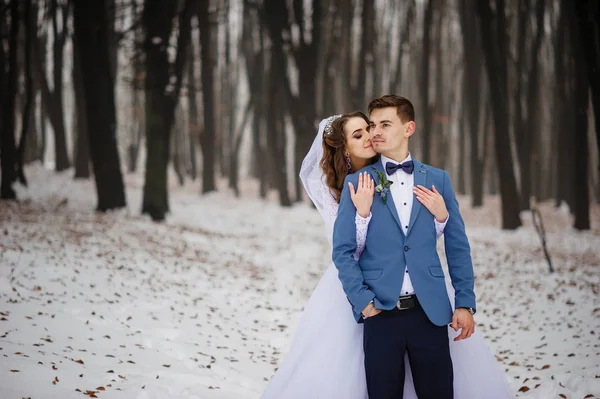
[406, 248]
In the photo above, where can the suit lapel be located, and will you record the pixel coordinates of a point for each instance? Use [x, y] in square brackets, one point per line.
[378, 167]
[420, 176]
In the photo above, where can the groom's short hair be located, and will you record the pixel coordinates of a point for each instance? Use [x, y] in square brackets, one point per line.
[404, 108]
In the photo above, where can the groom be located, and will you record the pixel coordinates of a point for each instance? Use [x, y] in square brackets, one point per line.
[397, 286]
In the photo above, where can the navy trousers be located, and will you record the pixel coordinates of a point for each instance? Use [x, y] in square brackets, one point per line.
[388, 336]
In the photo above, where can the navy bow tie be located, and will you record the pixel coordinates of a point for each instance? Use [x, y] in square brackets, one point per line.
[391, 167]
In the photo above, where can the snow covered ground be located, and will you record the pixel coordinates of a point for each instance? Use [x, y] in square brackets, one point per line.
[204, 305]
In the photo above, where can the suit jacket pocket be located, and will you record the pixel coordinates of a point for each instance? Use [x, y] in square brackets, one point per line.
[372, 274]
[436, 271]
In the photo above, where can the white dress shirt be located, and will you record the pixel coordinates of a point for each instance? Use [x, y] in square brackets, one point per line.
[402, 193]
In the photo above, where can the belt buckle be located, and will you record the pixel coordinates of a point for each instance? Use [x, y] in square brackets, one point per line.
[406, 299]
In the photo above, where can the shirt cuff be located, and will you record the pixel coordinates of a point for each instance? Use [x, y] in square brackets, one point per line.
[358, 220]
[441, 225]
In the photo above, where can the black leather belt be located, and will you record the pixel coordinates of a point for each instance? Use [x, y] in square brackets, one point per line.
[407, 302]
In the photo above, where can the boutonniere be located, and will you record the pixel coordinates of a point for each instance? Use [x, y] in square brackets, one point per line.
[383, 185]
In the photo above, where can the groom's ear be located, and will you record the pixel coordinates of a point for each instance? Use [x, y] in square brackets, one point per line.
[410, 129]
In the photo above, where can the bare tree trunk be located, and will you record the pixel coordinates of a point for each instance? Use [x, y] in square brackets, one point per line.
[254, 56]
[178, 147]
[366, 52]
[8, 94]
[32, 142]
[341, 74]
[113, 44]
[522, 136]
[580, 87]
[306, 57]
[82, 152]
[409, 22]
[27, 116]
[276, 134]
[301, 108]
[425, 131]
[561, 116]
[490, 162]
[91, 34]
[461, 184]
[43, 135]
[207, 139]
[494, 43]
[588, 19]
[532, 120]
[162, 93]
[472, 99]
[193, 119]
[441, 114]
[55, 98]
[137, 126]
[235, 154]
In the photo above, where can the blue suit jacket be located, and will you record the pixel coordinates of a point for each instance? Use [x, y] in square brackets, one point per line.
[379, 273]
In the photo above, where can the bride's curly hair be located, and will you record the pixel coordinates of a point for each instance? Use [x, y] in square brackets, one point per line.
[333, 163]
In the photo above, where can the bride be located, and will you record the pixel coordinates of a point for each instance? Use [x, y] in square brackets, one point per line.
[326, 358]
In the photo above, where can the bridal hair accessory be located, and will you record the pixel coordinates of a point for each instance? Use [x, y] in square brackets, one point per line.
[328, 123]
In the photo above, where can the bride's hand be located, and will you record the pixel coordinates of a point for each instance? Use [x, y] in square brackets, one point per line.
[433, 201]
[362, 197]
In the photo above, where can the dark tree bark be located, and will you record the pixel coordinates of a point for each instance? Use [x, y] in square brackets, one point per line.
[588, 20]
[341, 72]
[409, 22]
[276, 136]
[82, 145]
[137, 128]
[561, 116]
[207, 139]
[580, 87]
[495, 49]
[178, 147]
[8, 92]
[526, 96]
[43, 136]
[306, 59]
[367, 42]
[461, 182]
[91, 35]
[301, 108]
[113, 42]
[162, 93]
[532, 120]
[521, 134]
[193, 119]
[29, 20]
[30, 145]
[425, 121]
[254, 57]
[472, 99]
[234, 157]
[53, 100]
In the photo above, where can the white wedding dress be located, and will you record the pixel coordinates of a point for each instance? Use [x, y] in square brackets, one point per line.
[326, 359]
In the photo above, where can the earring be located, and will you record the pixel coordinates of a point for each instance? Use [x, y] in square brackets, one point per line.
[348, 161]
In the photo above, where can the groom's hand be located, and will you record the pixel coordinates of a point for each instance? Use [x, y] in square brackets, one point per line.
[463, 319]
[370, 311]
